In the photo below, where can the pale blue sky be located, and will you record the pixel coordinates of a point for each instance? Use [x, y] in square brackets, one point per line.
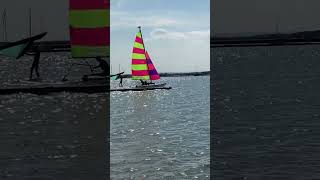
[176, 33]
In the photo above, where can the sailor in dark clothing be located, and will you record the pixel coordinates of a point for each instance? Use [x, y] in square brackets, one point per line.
[120, 84]
[143, 82]
[103, 65]
[35, 63]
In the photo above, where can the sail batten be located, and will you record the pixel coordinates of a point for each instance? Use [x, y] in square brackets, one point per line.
[89, 28]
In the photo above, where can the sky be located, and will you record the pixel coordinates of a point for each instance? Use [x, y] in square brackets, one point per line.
[262, 16]
[47, 15]
[174, 30]
[176, 33]
[228, 16]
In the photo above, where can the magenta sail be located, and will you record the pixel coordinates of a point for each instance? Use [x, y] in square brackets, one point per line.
[152, 70]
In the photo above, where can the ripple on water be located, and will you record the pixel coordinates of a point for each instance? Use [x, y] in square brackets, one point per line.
[158, 133]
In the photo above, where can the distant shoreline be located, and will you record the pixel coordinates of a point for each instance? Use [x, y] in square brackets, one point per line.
[279, 39]
[203, 73]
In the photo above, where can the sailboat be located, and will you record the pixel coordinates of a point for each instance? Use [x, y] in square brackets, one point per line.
[142, 66]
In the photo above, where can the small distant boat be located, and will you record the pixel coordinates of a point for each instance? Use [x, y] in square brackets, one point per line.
[142, 66]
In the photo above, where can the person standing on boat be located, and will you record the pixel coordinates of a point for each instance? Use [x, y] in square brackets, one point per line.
[103, 65]
[35, 63]
[120, 77]
[143, 82]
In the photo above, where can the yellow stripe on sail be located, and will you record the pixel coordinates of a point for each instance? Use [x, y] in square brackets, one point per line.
[138, 45]
[138, 34]
[138, 56]
[140, 77]
[137, 67]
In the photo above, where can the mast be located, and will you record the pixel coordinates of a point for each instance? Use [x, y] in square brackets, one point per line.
[277, 25]
[30, 22]
[4, 22]
[144, 48]
[278, 18]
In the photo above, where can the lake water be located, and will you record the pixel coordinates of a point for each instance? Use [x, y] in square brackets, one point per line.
[266, 113]
[161, 134]
[55, 136]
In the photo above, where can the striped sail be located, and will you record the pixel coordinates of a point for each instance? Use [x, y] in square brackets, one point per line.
[89, 28]
[139, 62]
[152, 70]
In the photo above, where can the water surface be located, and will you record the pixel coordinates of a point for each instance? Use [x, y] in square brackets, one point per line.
[161, 134]
[266, 113]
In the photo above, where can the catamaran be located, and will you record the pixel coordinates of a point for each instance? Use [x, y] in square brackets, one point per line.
[142, 67]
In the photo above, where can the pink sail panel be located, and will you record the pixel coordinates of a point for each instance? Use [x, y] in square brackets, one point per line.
[140, 73]
[90, 36]
[89, 4]
[138, 51]
[152, 70]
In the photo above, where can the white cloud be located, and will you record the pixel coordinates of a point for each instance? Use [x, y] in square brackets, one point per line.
[156, 19]
[158, 34]
[125, 20]
[117, 3]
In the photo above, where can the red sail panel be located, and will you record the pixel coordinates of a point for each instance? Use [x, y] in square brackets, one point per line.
[89, 4]
[90, 36]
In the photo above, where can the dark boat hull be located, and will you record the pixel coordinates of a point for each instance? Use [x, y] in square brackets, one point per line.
[152, 86]
[98, 86]
[46, 88]
[140, 89]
